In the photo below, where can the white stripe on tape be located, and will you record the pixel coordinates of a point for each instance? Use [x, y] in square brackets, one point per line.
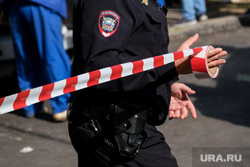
[58, 88]
[168, 58]
[33, 96]
[7, 104]
[127, 69]
[105, 75]
[82, 81]
[148, 64]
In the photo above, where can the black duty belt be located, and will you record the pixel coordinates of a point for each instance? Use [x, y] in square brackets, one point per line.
[102, 113]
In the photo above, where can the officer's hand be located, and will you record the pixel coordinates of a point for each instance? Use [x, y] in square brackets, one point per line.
[183, 66]
[180, 102]
[213, 57]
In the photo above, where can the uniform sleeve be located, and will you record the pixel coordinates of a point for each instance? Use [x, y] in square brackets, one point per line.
[105, 34]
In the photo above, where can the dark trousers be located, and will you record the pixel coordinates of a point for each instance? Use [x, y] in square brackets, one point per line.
[155, 152]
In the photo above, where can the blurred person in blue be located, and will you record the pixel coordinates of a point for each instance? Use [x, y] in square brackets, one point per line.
[36, 27]
[192, 12]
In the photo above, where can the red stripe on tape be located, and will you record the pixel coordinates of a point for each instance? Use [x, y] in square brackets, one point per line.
[158, 61]
[46, 92]
[197, 50]
[20, 101]
[138, 66]
[178, 55]
[199, 64]
[70, 85]
[1, 101]
[116, 72]
[94, 77]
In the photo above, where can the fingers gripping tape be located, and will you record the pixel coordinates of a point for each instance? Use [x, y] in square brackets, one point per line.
[200, 66]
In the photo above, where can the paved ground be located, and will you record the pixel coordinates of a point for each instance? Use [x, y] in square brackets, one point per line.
[222, 106]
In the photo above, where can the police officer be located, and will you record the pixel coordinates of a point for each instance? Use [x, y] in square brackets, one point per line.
[36, 27]
[113, 124]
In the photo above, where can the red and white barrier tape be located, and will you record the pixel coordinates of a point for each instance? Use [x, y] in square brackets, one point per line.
[199, 65]
[35, 95]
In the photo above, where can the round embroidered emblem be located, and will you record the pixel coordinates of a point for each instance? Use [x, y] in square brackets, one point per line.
[108, 22]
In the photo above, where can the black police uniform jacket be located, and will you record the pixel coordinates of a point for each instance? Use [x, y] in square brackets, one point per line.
[111, 32]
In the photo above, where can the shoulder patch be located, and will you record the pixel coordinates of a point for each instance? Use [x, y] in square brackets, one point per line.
[108, 22]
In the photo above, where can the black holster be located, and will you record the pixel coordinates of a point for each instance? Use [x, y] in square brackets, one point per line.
[119, 131]
[129, 134]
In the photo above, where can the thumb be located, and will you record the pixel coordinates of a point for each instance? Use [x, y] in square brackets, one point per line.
[188, 90]
[189, 42]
